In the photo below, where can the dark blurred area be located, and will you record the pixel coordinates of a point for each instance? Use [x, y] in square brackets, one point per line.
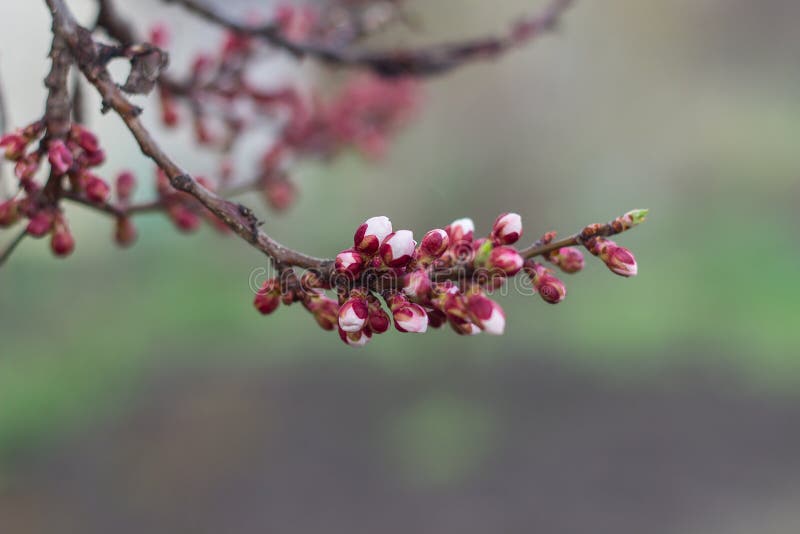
[139, 391]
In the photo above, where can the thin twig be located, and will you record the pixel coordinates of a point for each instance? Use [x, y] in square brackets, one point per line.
[12, 246]
[426, 61]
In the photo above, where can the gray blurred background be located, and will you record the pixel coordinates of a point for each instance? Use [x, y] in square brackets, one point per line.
[140, 392]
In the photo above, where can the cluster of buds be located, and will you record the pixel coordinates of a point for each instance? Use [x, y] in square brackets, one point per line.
[446, 278]
[71, 158]
[223, 102]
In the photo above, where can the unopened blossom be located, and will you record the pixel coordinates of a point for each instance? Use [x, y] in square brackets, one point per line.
[126, 183]
[124, 232]
[325, 310]
[40, 224]
[417, 285]
[618, 259]
[433, 245]
[507, 229]
[59, 156]
[61, 241]
[14, 145]
[356, 339]
[486, 314]
[96, 188]
[505, 259]
[371, 233]
[408, 316]
[9, 213]
[353, 314]
[398, 248]
[461, 230]
[550, 288]
[378, 321]
[568, 259]
[349, 262]
[268, 298]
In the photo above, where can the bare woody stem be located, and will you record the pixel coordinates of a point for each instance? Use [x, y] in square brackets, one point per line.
[428, 61]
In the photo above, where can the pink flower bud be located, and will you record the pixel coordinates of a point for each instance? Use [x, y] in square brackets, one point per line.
[461, 230]
[40, 224]
[371, 233]
[379, 321]
[410, 317]
[434, 244]
[417, 285]
[619, 259]
[184, 218]
[61, 242]
[84, 138]
[124, 232]
[486, 313]
[59, 156]
[355, 339]
[126, 183]
[96, 188]
[325, 311]
[27, 166]
[268, 297]
[9, 213]
[550, 288]
[349, 262]
[159, 35]
[353, 314]
[398, 248]
[280, 193]
[436, 318]
[93, 159]
[14, 145]
[507, 229]
[506, 259]
[569, 259]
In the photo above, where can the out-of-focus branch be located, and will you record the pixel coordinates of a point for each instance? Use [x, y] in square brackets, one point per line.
[427, 61]
[89, 57]
[6, 253]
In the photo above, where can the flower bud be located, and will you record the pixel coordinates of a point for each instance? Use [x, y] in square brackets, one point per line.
[379, 321]
[436, 318]
[371, 233]
[184, 218]
[506, 259]
[408, 317]
[507, 229]
[40, 224]
[279, 193]
[126, 183]
[27, 166]
[355, 339]
[9, 213]
[433, 245]
[618, 259]
[486, 313]
[349, 262]
[568, 259]
[324, 310]
[460, 230]
[59, 156]
[96, 188]
[464, 327]
[353, 314]
[268, 298]
[61, 241]
[84, 138]
[550, 288]
[417, 285]
[124, 232]
[398, 248]
[14, 145]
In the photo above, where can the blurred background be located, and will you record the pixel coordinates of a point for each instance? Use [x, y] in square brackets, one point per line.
[140, 392]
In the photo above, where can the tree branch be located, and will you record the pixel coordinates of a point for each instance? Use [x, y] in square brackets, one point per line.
[427, 61]
[12, 246]
[89, 59]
